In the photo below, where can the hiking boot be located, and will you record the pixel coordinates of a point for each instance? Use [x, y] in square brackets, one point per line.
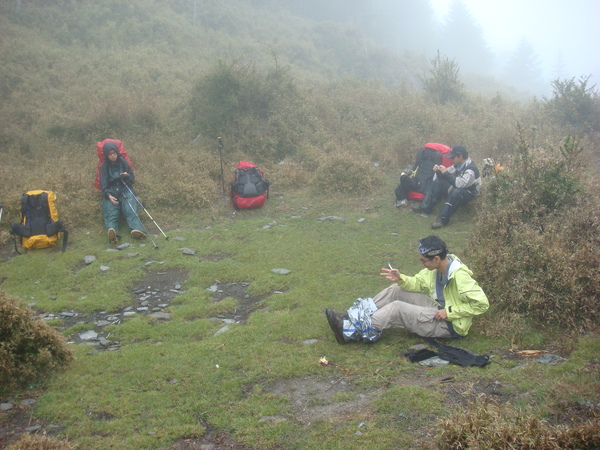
[137, 234]
[337, 324]
[112, 236]
[400, 203]
[437, 225]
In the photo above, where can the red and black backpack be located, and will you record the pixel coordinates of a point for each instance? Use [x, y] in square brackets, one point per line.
[249, 188]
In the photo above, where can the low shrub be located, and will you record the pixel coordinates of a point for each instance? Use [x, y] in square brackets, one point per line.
[29, 348]
[346, 173]
[536, 244]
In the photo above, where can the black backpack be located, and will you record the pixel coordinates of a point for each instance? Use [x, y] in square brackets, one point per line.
[39, 226]
[250, 188]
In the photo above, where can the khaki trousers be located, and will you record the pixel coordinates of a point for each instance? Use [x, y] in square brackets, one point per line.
[413, 311]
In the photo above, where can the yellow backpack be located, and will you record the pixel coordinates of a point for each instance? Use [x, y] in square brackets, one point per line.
[40, 226]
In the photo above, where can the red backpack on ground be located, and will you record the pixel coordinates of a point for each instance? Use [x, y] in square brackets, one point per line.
[100, 151]
[249, 188]
[443, 149]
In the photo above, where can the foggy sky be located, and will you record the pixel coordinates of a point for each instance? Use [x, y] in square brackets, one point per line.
[568, 28]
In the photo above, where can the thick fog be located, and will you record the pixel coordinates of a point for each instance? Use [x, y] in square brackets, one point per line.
[523, 43]
[564, 34]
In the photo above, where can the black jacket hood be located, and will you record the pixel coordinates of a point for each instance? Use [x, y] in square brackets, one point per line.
[107, 147]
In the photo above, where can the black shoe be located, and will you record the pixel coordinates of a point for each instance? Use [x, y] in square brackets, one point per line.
[437, 225]
[337, 324]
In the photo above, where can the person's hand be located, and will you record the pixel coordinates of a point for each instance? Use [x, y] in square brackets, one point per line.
[392, 275]
[124, 174]
[113, 199]
[440, 168]
[441, 314]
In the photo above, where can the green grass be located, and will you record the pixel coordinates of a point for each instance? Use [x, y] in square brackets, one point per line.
[164, 383]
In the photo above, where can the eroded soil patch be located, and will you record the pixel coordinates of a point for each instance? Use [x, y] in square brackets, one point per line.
[246, 303]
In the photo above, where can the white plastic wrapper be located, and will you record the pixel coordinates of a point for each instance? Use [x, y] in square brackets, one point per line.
[358, 325]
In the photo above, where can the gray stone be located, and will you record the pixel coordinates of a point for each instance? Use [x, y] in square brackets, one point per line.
[122, 246]
[222, 330]
[6, 406]
[161, 315]
[179, 238]
[28, 401]
[434, 362]
[281, 271]
[309, 341]
[88, 335]
[189, 251]
[324, 219]
[102, 323]
[361, 220]
[104, 268]
[88, 259]
[33, 428]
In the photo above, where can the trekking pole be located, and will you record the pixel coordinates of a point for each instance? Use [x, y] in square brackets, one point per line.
[220, 145]
[144, 226]
[140, 203]
[1, 209]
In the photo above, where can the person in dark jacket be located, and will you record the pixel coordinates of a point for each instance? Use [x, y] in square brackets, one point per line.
[115, 172]
[460, 182]
[421, 177]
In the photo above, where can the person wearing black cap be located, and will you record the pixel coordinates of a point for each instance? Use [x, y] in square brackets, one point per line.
[461, 181]
[440, 301]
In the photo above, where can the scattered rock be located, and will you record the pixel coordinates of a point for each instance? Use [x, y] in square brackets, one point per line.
[88, 259]
[6, 406]
[324, 219]
[89, 335]
[161, 315]
[222, 330]
[434, 362]
[104, 268]
[281, 271]
[189, 251]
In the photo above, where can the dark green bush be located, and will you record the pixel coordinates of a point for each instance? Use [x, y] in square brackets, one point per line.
[575, 104]
[443, 85]
[29, 348]
[536, 243]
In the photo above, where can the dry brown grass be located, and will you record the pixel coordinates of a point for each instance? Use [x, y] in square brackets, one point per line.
[486, 426]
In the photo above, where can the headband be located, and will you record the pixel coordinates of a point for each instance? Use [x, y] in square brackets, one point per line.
[425, 251]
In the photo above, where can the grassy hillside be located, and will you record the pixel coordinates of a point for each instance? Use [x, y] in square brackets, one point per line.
[332, 120]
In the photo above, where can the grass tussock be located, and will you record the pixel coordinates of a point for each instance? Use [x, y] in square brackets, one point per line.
[486, 426]
[39, 442]
[29, 348]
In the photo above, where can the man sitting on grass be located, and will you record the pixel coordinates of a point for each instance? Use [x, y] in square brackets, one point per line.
[461, 183]
[440, 301]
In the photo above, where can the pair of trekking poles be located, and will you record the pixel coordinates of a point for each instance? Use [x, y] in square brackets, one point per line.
[136, 215]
